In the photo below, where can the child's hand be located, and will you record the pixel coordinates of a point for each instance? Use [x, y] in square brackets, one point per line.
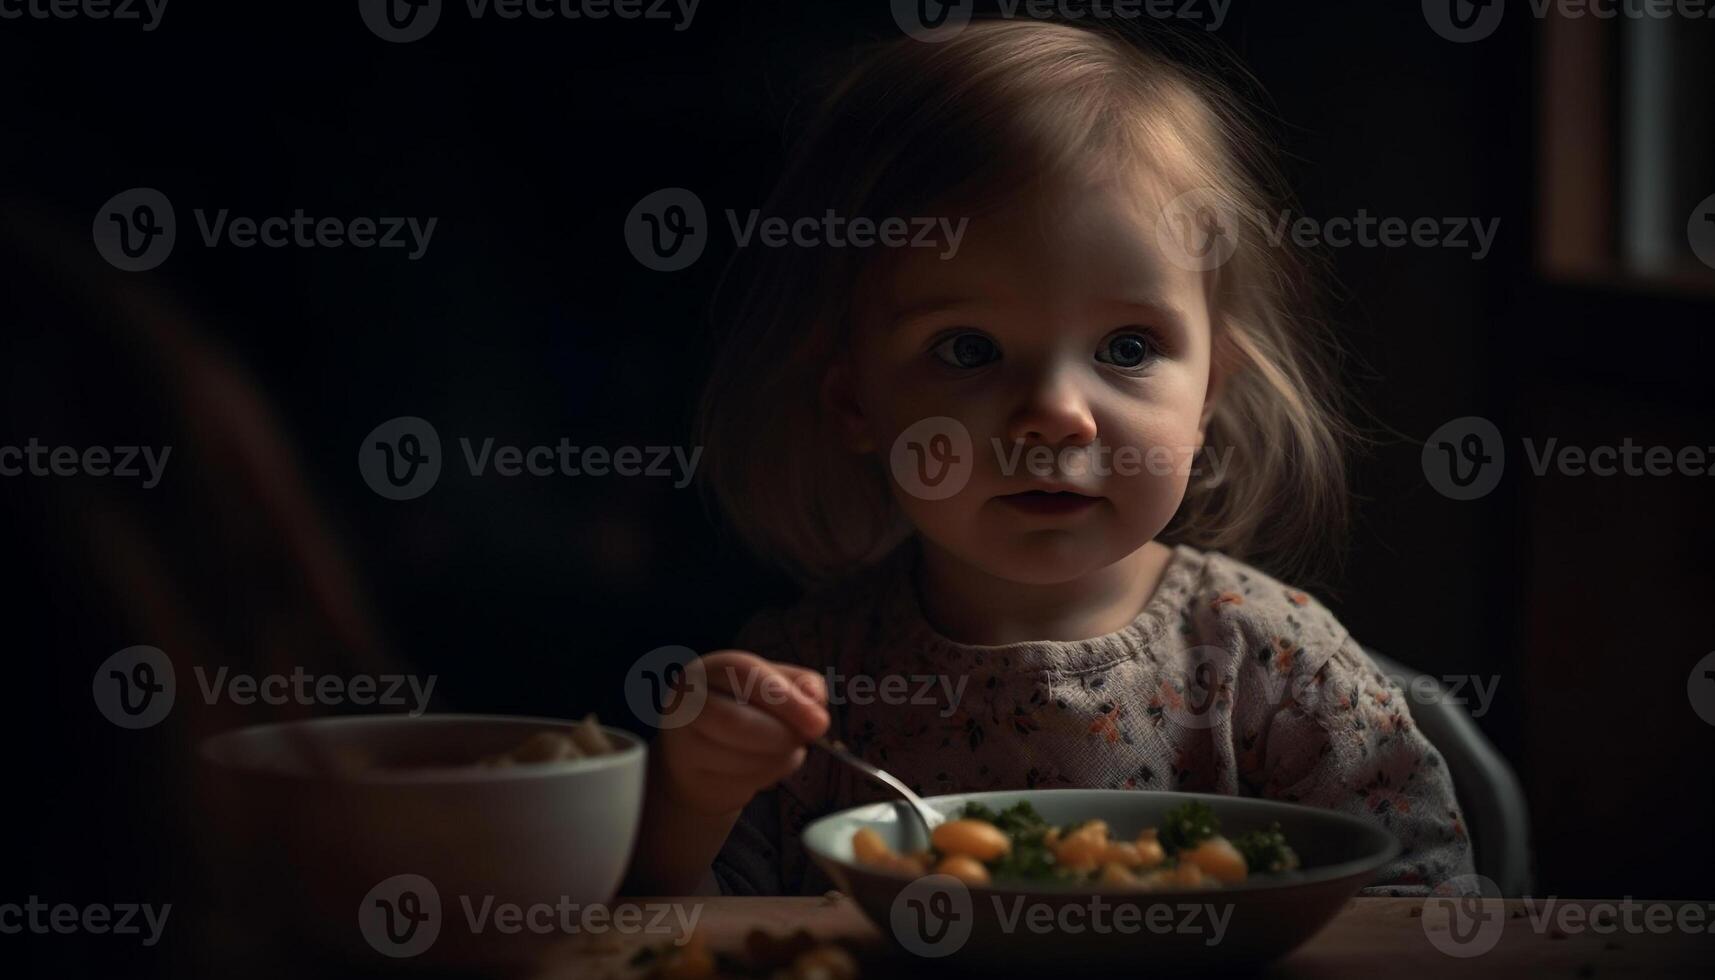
[748, 735]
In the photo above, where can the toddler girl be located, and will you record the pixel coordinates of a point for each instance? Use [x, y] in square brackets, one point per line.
[1024, 464]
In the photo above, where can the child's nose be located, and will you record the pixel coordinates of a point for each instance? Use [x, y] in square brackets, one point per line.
[1054, 413]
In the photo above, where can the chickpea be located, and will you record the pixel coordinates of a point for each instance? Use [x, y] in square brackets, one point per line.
[1117, 874]
[1219, 859]
[1185, 875]
[869, 848]
[1094, 827]
[1123, 854]
[1083, 849]
[1151, 881]
[972, 838]
[966, 869]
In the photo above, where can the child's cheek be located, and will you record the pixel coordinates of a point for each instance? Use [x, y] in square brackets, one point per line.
[1153, 457]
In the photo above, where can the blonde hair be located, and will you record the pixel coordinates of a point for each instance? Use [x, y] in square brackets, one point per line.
[972, 121]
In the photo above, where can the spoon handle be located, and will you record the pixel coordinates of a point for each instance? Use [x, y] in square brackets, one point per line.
[926, 815]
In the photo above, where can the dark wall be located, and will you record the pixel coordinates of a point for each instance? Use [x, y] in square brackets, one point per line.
[528, 320]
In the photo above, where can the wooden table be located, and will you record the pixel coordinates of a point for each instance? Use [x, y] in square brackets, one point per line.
[1372, 938]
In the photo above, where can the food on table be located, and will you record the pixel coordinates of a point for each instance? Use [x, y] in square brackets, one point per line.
[1016, 844]
[585, 740]
[799, 956]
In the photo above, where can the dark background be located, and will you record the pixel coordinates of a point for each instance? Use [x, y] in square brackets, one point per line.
[529, 320]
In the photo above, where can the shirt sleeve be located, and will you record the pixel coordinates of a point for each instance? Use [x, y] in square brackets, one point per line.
[1337, 733]
[749, 861]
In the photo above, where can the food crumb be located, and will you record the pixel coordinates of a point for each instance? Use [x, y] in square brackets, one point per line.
[832, 897]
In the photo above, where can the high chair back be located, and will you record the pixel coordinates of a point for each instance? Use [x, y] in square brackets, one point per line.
[1496, 814]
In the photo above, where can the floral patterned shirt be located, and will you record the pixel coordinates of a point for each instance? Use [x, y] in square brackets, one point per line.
[1226, 682]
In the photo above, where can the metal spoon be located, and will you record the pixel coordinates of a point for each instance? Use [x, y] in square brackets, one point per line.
[927, 817]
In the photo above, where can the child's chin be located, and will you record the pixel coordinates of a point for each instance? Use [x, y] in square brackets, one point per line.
[1048, 557]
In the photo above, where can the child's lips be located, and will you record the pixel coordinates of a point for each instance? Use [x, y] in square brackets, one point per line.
[1049, 502]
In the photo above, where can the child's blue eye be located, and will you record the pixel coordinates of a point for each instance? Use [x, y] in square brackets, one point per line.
[966, 350]
[1126, 350]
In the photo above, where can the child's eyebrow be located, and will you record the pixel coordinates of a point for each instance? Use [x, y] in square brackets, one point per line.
[1156, 311]
[900, 315]
[1150, 309]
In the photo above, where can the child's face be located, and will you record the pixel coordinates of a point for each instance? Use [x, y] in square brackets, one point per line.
[1075, 353]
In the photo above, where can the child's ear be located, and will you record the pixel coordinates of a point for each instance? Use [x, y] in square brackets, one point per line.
[839, 397]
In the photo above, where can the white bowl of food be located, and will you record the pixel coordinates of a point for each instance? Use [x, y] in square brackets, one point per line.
[1053, 880]
[409, 839]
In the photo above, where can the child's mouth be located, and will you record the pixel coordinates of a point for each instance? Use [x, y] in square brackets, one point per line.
[1049, 501]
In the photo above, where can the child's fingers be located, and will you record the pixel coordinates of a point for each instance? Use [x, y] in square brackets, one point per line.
[751, 769]
[792, 694]
[741, 728]
[808, 681]
[719, 776]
